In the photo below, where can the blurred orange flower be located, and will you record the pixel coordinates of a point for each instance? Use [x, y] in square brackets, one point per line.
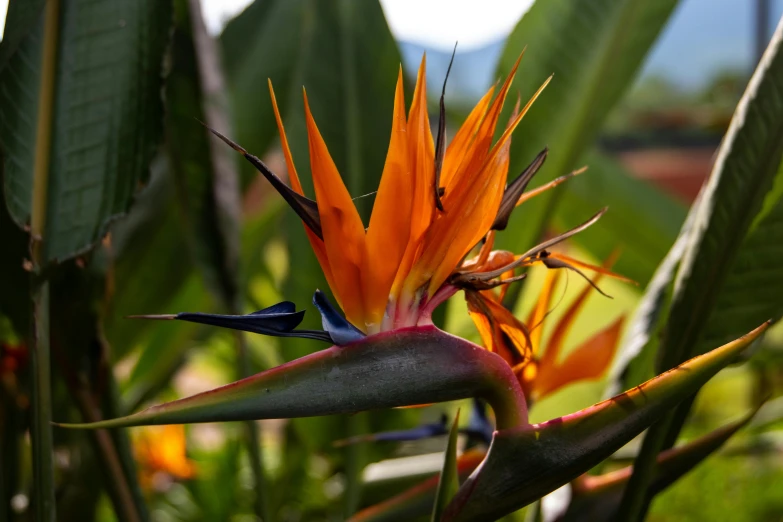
[161, 455]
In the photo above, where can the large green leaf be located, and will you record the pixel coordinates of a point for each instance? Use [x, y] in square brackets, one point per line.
[525, 463]
[594, 50]
[204, 169]
[728, 274]
[24, 15]
[105, 120]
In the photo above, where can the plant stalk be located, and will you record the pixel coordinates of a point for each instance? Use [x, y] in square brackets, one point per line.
[44, 507]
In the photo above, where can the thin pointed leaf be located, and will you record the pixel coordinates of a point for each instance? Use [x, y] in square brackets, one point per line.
[399, 368]
[597, 497]
[524, 464]
[448, 483]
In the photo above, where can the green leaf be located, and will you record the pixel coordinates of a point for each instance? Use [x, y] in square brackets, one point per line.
[594, 50]
[148, 265]
[597, 497]
[448, 482]
[24, 16]
[635, 360]
[526, 463]
[204, 169]
[370, 374]
[728, 270]
[642, 222]
[729, 267]
[104, 122]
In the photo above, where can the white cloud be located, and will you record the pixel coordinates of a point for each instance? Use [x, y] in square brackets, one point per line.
[440, 23]
[434, 23]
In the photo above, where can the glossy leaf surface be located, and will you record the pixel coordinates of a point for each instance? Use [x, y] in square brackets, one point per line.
[401, 368]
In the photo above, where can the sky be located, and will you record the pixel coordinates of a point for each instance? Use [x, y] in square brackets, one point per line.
[473, 23]
[703, 37]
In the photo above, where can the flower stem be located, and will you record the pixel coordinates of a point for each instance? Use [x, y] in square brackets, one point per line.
[41, 433]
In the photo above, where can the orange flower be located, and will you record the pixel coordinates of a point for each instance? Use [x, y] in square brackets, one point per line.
[541, 367]
[160, 452]
[433, 206]
[386, 276]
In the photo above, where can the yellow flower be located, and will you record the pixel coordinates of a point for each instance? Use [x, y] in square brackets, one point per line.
[431, 209]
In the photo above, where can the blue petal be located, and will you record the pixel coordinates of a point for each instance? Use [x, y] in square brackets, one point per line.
[425, 431]
[341, 331]
[279, 320]
[479, 426]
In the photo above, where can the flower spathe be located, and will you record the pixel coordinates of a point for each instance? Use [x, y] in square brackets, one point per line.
[386, 276]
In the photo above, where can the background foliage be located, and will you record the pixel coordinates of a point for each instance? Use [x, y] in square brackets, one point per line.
[200, 231]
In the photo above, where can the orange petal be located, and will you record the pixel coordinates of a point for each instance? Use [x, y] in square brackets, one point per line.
[471, 206]
[590, 360]
[390, 223]
[486, 249]
[541, 309]
[421, 149]
[289, 160]
[500, 331]
[564, 325]
[342, 227]
[476, 154]
[315, 242]
[462, 142]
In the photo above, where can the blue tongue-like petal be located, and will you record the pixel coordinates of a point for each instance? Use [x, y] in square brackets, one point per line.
[340, 330]
[278, 320]
[479, 426]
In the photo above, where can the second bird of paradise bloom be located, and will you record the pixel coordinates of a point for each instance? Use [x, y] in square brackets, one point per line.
[434, 205]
